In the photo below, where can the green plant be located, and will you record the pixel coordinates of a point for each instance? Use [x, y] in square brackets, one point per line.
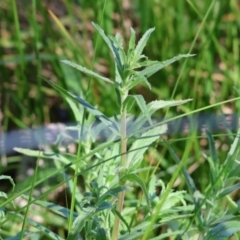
[128, 74]
[113, 168]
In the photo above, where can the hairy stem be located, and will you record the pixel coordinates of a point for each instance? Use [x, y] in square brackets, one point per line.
[123, 166]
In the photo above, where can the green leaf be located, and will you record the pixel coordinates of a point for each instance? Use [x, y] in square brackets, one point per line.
[111, 193]
[8, 178]
[64, 158]
[213, 160]
[138, 231]
[149, 71]
[59, 210]
[80, 222]
[141, 145]
[143, 64]
[109, 123]
[159, 104]
[131, 47]
[118, 93]
[190, 183]
[226, 218]
[40, 227]
[118, 59]
[3, 195]
[135, 178]
[105, 38]
[213, 152]
[173, 199]
[101, 234]
[171, 234]
[235, 172]
[114, 50]
[25, 233]
[142, 105]
[132, 83]
[121, 218]
[75, 110]
[142, 78]
[132, 41]
[103, 206]
[152, 186]
[118, 45]
[228, 190]
[128, 103]
[87, 71]
[223, 230]
[141, 44]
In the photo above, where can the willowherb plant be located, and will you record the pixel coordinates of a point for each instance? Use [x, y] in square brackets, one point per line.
[131, 69]
[111, 169]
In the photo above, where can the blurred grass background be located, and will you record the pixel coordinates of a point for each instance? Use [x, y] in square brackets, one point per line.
[35, 35]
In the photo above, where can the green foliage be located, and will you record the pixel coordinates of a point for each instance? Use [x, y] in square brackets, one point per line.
[117, 169]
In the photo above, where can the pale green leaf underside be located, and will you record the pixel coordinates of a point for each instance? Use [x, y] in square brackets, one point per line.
[140, 146]
[132, 40]
[149, 71]
[86, 71]
[48, 155]
[158, 104]
[142, 43]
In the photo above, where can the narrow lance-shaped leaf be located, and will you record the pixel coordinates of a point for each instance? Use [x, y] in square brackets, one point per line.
[133, 83]
[117, 40]
[135, 178]
[118, 61]
[142, 105]
[79, 222]
[142, 78]
[149, 71]
[158, 104]
[131, 47]
[132, 40]
[19, 235]
[141, 145]
[223, 230]
[87, 71]
[111, 193]
[118, 64]
[135, 79]
[213, 161]
[105, 38]
[138, 231]
[66, 159]
[49, 233]
[59, 210]
[143, 64]
[228, 190]
[109, 123]
[152, 108]
[116, 212]
[141, 44]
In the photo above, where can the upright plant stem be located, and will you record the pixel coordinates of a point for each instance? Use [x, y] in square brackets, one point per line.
[123, 166]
